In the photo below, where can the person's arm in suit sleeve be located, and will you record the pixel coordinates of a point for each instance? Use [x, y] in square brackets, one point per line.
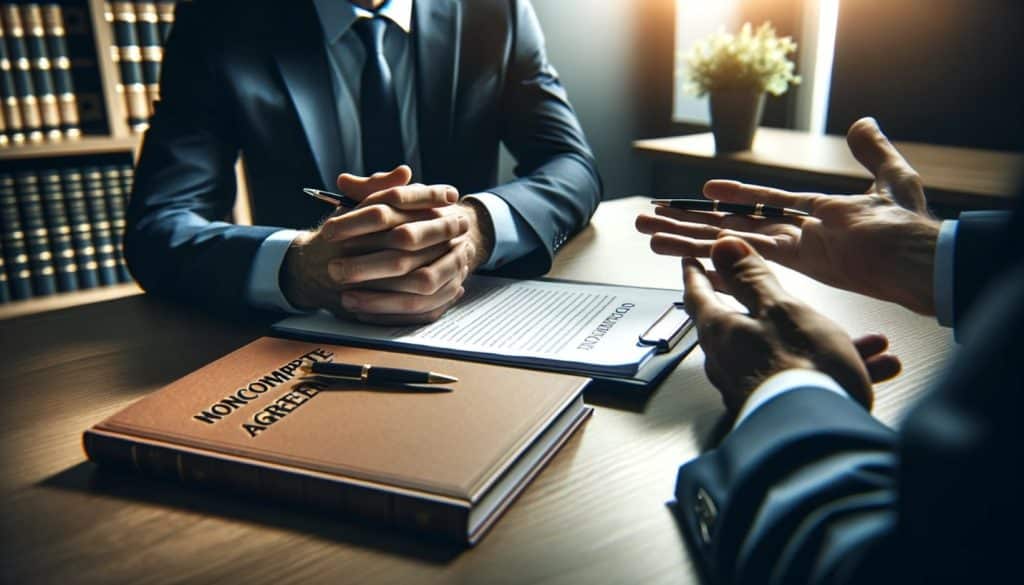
[558, 187]
[179, 242]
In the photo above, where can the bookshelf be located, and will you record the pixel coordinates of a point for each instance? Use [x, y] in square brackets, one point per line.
[107, 74]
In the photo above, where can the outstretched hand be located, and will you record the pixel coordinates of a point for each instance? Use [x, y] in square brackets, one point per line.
[779, 332]
[881, 244]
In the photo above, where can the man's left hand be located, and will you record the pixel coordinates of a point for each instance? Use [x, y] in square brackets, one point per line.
[779, 332]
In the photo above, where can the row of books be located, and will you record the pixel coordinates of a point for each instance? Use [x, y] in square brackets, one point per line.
[140, 29]
[39, 99]
[62, 228]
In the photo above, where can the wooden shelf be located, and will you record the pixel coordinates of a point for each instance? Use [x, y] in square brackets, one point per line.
[68, 299]
[964, 178]
[81, 146]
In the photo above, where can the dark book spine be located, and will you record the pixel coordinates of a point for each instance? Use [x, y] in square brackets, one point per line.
[128, 56]
[42, 69]
[37, 237]
[127, 182]
[99, 216]
[5, 289]
[147, 21]
[85, 72]
[60, 60]
[81, 229]
[9, 93]
[19, 275]
[353, 501]
[14, 32]
[114, 191]
[165, 11]
[57, 223]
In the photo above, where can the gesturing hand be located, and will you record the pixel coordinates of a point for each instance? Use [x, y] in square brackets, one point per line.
[400, 257]
[779, 333]
[881, 244]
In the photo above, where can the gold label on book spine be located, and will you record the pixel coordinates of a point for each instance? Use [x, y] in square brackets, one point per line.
[54, 19]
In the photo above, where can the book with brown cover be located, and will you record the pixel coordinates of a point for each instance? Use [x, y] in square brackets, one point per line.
[441, 460]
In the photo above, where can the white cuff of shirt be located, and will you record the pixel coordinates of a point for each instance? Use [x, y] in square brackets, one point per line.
[942, 277]
[264, 289]
[513, 239]
[784, 382]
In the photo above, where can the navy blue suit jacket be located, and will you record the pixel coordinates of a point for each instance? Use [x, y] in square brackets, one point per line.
[252, 77]
[812, 489]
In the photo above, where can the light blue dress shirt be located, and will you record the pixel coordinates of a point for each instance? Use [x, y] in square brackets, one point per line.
[942, 284]
[512, 237]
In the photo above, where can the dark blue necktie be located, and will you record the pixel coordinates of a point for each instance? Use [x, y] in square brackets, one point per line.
[378, 102]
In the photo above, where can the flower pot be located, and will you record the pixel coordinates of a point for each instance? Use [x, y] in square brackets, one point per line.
[735, 114]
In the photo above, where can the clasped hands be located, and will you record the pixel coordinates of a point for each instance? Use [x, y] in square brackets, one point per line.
[400, 257]
[881, 244]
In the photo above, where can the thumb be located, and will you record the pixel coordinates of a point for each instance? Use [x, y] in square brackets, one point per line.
[359, 188]
[745, 274]
[893, 174]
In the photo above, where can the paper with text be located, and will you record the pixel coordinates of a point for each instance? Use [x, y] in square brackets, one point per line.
[575, 326]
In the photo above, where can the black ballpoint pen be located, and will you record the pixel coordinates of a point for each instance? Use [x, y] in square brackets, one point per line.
[758, 210]
[332, 198]
[370, 374]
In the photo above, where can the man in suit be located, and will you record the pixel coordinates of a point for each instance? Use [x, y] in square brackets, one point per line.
[808, 487]
[415, 95]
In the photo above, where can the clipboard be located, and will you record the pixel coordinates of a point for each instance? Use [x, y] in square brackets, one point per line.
[669, 329]
[670, 336]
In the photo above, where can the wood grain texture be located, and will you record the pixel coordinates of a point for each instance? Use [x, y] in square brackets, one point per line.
[953, 176]
[597, 514]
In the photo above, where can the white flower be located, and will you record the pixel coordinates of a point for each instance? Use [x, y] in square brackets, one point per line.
[756, 60]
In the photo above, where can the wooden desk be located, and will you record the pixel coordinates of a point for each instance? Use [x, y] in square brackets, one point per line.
[596, 514]
[958, 178]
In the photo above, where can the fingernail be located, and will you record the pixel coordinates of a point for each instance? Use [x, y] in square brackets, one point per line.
[451, 195]
[465, 270]
[463, 224]
[470, 250]
[336, 272]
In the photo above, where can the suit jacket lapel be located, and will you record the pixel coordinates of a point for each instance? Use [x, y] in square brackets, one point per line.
[436, 32]
[302, 60]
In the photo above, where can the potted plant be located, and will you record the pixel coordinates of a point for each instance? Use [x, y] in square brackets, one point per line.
[737, 70]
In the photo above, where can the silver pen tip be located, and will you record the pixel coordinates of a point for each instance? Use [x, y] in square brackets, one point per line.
[435, 378]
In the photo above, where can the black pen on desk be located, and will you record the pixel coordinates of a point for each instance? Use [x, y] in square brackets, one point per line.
[370, 374]
[757, 210]
[335, 199]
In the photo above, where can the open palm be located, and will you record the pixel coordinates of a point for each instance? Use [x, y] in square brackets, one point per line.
[881, 244]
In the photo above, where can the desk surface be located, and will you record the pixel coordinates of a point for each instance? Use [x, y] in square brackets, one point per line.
[596, 514]
[962, 177]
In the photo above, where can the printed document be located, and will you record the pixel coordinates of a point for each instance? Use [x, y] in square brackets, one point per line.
[568, 326]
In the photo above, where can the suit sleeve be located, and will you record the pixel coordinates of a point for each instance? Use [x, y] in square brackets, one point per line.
[179, 242]
[982, 250]
[811, 489]
[806, 468]
[557, 187]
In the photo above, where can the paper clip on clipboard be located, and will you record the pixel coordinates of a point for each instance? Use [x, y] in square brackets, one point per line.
[666, 332]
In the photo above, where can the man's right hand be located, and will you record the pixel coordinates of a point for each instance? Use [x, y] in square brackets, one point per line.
[881, 244]
[397, 258]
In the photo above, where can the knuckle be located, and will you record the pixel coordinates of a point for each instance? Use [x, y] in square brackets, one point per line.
[378, 214]
[426, 281]
[404, 237]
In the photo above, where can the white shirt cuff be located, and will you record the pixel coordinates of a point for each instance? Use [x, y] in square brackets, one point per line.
[264, 289]
[513, 239]
[784, 382]
[942, 277]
